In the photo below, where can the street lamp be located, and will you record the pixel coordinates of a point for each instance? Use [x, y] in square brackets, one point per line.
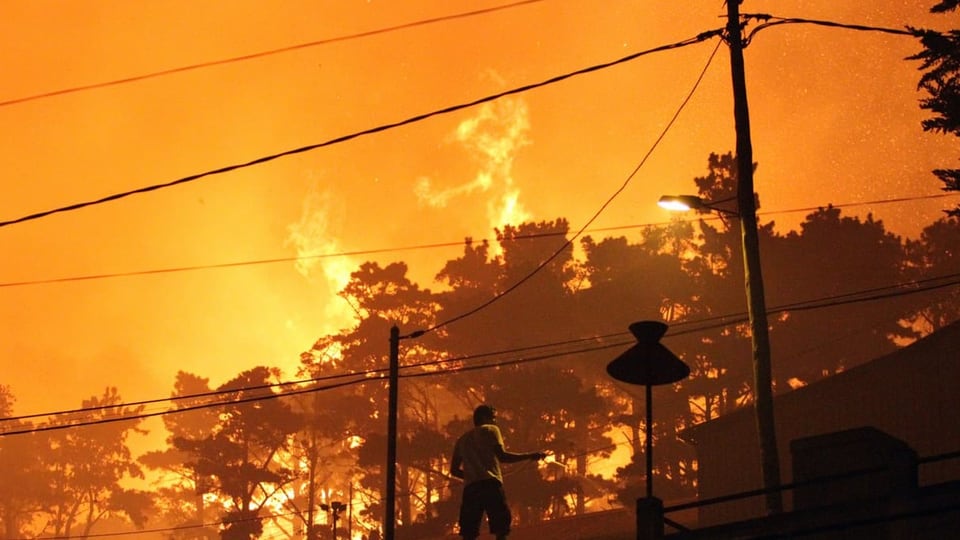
[334, 508]
[760, 340]
[680, 203]
[650, 364]
[684, 203]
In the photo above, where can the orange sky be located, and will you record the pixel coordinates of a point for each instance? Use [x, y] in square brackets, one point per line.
[834, 113]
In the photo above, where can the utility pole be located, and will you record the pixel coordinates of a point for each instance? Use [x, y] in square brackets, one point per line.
[389, 516]
[756, 303]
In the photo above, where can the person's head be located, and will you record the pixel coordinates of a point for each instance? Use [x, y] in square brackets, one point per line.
[484, 414]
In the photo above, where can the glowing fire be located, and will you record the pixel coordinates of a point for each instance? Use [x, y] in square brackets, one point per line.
[494, 136]
[314, 236]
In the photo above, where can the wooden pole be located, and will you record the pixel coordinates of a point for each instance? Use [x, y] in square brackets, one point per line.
[756, 303]
[389, 519]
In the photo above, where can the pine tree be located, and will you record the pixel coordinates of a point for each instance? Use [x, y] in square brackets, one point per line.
[940, 62]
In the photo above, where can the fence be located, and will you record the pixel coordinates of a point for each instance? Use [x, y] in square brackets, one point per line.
[931, 511]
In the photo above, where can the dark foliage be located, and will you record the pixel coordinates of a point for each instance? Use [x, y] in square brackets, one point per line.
[940, 62]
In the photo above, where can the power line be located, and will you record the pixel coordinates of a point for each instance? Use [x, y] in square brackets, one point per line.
[593, 218]
[800, 306]
[520, 361]
[543, 264]
[865, 203]
[262, 54]
[776, 21]
[363, 377]
[141, 416]
[173, 399]
[233, 264]
[415, 247]
[344, 138]
[879, 293]
[270, 386]
[677, 329]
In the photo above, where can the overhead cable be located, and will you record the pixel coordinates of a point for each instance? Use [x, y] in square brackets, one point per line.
[776, 21]
[140, 416]
[262, 54]
[344, 138]
[281, 384]
[878, 293]
[593, 218]
[677, 329]
[458, 243]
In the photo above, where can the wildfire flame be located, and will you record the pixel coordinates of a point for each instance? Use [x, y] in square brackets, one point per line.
[493, 136]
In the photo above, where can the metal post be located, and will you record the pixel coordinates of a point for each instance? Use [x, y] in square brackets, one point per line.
[649, 442]
[756, 303]
[311, 500]
[651, 364]
[389, 520]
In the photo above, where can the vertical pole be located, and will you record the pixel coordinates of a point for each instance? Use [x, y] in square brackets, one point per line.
[390, 510]
[312, 472]
[756, 303]
[649, 442]
[311, 496]
[199, 483]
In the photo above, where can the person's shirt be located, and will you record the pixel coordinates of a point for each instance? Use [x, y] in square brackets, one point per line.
[478, 450]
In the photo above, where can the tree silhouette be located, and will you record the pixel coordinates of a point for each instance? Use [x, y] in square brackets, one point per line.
[517, 352]
[23, 475]
[541, 406]
[184, 487]
[321, 453]
[719, 355]
[239, 455]
[566, 417]
[383, 297]
[627, 283]
[85, 468]
[934, 259]
[833, 257]
[940, 60]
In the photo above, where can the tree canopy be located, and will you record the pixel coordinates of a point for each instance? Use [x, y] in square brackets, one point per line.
[940, 63]
[259, 452]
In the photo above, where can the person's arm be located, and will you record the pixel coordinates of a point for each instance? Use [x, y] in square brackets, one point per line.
[456, 464]
[513, 457]
[510, 457]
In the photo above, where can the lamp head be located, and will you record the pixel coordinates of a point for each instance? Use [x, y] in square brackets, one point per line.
[648, 362]
[681, 203]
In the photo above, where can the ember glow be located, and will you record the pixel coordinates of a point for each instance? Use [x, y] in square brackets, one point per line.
[835, 120]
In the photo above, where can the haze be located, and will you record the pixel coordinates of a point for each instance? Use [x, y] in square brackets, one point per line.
[834, 112]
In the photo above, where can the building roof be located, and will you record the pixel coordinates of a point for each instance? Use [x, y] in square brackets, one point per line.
[930, 365]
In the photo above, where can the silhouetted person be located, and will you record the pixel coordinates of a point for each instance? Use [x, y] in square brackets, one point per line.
[476, 459]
